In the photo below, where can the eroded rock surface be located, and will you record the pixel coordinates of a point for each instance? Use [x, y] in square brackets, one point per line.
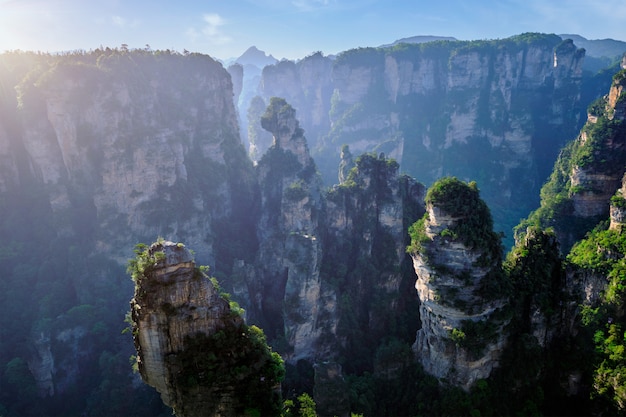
[191, 346]
[458, 274]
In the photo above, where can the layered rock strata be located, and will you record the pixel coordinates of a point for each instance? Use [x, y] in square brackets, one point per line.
[444, 108]
[288, 287]
[618, 208]
[460, 340]
[182, 328]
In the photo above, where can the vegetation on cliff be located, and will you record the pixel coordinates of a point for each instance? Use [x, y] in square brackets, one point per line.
[230, 367]
[476, 112]
[61, 253]
[603, 254]
[117, 110]
[471, 225]
[598, 151]
[352, 263]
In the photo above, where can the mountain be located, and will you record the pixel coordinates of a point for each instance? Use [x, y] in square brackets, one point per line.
[493, 111]
[193, 345]
[601, 53]
[245, 72]
[255, 57]
[106, 149]
[420, 39]
[462, 292]
[556, 297]
[103, 150]
[598, 48]
[587, 172]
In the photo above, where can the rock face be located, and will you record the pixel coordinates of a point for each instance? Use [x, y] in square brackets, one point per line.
[285, 291]
[329, 263]
[588, 171]
[179, 316]
[171, 288]
[307, 86]
[130, 127]
[593, 183]
[114, 147]
[366, 218]
[461, 338]
[444, 108]
[618, 209]
[106, 149]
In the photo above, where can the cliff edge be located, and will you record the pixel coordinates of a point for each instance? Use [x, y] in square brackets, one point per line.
[457, 259]
[192, 344]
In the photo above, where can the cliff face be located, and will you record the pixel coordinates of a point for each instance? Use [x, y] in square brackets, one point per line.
[459, 286]
[172, 302]
[307, 85]
[281, 288]
[587, 172]
[328, 279]
[596, 265]
[108, 148]
[618, 211]
[182, 330]
[594, 184]
[366, 221]
[101, 150]
[469, 109]
[83, 129]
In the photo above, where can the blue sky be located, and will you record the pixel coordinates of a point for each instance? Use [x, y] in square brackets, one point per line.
[290, 28]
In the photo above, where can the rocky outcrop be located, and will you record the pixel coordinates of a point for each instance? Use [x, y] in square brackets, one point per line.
[149, 126]
[461, 337]
[586, 174]
[183, 329]
[618, 208]
[445, 108]
[346, 164]
[281, 289]
[106, 149]
[594, 183]
[366, 221]
[307, 86]
[327, 261]
[41, 365]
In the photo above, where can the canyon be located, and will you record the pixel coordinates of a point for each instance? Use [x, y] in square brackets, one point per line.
[104, 149]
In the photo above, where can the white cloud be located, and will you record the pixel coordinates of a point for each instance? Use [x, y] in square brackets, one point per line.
[124, 23]
[308, 5]
[118, 21]
[210, 31]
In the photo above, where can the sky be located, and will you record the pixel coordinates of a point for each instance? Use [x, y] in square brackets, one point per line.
[289, 29]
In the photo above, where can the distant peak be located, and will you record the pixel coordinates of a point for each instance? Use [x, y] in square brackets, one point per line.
[422, 39]
[254, 56]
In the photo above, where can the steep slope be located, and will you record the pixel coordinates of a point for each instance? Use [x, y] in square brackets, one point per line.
[99, 151]
[587, 172]
[192, 346]
[287, 289]
[314, 245]
[457, 259]
[567, 304]
[492, 111]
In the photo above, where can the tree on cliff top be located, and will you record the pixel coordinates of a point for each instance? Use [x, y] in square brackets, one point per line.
[278, 110]
[474, 227]
[230, 365]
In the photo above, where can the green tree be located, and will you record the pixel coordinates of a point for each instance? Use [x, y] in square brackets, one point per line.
[305, 407]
